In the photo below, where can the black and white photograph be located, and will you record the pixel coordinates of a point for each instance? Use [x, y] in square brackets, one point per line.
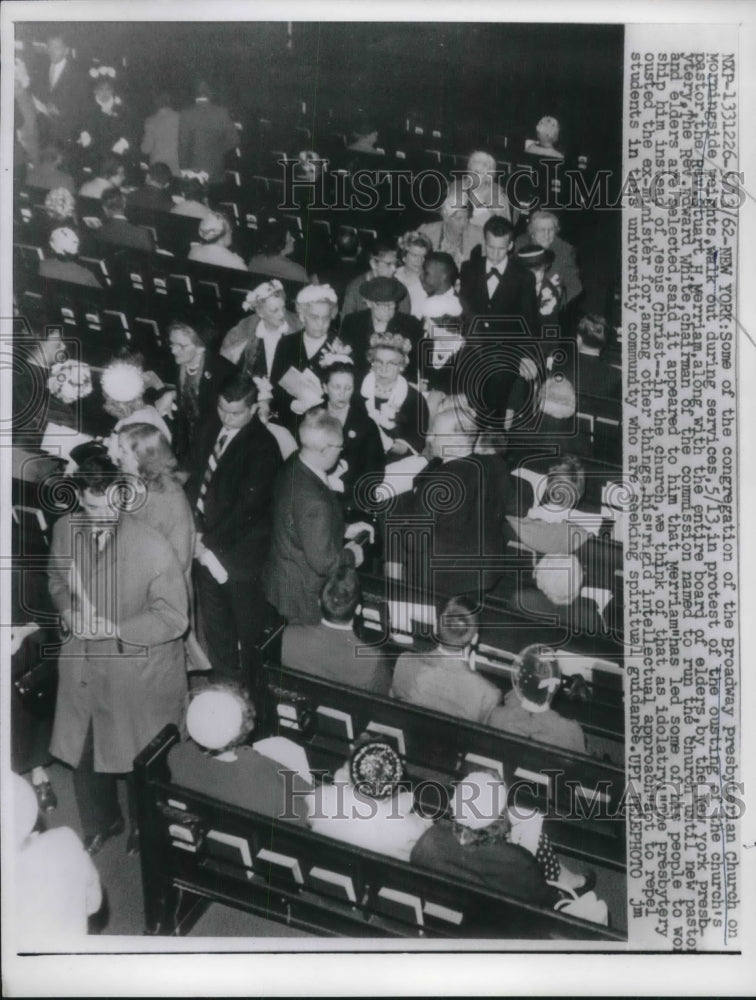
[370, 487]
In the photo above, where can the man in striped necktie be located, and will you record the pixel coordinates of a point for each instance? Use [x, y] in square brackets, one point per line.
[230, 491]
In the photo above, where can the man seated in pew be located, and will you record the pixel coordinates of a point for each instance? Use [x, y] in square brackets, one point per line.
[444, 679]
[155, 195]
[116, 230]
[503, 849]
[112, 174]
[331, 649]
[367, 805]
[527, 707]
[273, 258]
[552, 523]
[63, 265]
[594, 375]
[270, 776]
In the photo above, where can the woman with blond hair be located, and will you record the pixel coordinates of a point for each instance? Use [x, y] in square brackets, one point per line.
[142, 451]
[487, 196]
[414, 247]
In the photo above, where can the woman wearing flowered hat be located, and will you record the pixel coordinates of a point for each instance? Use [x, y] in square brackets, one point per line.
[399, 411]
[317, 308]
[63, 265]
[251, 345]
[215, 233]
[368, 804]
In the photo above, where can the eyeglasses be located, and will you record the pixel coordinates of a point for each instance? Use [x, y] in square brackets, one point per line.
[377, 363]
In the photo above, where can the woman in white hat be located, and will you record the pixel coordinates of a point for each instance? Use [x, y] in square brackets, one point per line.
[547, 136]
[251, 345]
[64, 265]
[215, 233]
[270, 776]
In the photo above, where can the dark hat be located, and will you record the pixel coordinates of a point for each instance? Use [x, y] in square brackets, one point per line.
[88, 449]
[376, 769]
[382, 290]
[534, 256]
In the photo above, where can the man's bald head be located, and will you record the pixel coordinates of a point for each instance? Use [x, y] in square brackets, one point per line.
[321, 438]
[451, 435]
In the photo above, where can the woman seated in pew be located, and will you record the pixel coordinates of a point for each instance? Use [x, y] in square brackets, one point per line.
[527, 707]
[501, 848]
[215, 233]
[367, 805]
[63, 265]
[270, 776]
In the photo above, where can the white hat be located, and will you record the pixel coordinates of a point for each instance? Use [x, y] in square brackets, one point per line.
[478, 800]
[317, 293]
[64, 241]
[214, 719]
[122, 381]
[261, 293]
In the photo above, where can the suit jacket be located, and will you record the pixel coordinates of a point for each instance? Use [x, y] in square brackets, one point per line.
[332, 653]
[237, 504]
[122, 233]
[473, 527]
[71, 96]
[133, 684]
[307, 543]
[160, 140]
[565, 265]
[515, 295]
[357, 328]
[214, 373]
[152, 199]
[445, 684]
[362, 451]
[206, 134]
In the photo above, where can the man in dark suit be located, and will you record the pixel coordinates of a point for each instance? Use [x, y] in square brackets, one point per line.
[65, 92]
[116, 229]
[501, 296]
[382, 296]
[470, 529]
[230, 490]
[206, 134]
[155, 196]
[308, 525]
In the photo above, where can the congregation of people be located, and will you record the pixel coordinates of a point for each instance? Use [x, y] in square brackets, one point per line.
[365, 413]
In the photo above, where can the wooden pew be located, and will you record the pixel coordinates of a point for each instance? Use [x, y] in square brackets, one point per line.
[567, 787]
[195, 850]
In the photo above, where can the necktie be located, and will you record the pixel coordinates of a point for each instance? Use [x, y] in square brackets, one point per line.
[212, 465]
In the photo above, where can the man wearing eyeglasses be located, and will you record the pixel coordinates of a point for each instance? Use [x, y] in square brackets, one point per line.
[309, 541]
